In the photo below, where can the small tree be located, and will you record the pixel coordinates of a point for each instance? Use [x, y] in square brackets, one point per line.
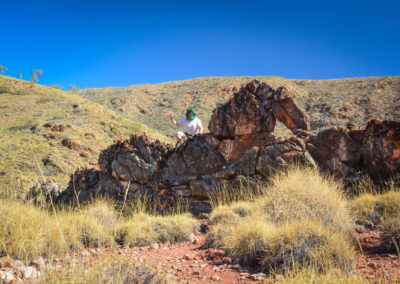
[19, 74]
[35, 75]
[3, 69]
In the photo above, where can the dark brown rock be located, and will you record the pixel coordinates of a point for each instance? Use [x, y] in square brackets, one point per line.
[335, 150]
[243, 114]
[381, 149]
[73, 144]
[280, 154]
[287, 111]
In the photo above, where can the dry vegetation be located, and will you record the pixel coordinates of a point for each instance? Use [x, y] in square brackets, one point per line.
[28, 231]
[297, 228]
[327, 102]
[381, 210]
[27, 144]
[302, 220]
[108, 270]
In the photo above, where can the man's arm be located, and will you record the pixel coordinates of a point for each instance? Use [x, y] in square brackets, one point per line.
[171, 117]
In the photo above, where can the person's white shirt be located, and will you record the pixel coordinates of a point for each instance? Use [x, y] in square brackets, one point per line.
[191, 126]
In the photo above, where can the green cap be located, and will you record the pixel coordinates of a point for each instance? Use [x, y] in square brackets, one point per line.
[190, 114]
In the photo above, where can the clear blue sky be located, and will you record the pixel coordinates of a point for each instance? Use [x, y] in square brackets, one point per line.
[118, 43]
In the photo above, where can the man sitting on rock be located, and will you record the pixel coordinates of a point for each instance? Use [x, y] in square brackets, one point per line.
[191, 124]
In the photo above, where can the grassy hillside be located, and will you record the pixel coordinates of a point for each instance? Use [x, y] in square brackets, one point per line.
[328, 102]
[34, 120]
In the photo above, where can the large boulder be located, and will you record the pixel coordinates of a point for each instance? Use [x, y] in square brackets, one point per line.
[137, 159]
[240, 146]
[243, 114]
[381, 149]
[287, 112]
[336, 150]
[280, 154]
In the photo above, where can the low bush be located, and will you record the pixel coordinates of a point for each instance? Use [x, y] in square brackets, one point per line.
[302, 220]
[279, 248]
[23, 231]
[374, 207]
[108, 270]
[27, 231]
[303, 193]
[4, 89]
[142, 229]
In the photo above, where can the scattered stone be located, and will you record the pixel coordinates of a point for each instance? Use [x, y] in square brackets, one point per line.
[154, 246]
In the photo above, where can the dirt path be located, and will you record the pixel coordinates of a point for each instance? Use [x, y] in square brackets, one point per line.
[186, 262]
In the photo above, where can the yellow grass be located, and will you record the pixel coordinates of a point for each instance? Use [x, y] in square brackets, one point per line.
[302, 220]
[27, 231]
[107, 270]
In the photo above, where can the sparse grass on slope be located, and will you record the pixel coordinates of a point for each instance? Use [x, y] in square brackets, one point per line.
[27, 146]
[328, 102]
[302, 221]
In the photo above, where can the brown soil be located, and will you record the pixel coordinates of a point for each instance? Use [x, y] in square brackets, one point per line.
[186, 262]
[373, 261]
[190, 262]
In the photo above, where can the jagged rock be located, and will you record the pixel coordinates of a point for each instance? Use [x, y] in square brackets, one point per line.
[240, 149]
[381, 149]
[201, 189]
[287, 111]
[335, 150]
[243, 114]
[280, 154]
[137, 159]
[246, 165]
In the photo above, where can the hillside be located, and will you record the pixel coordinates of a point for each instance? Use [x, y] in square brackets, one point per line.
[327, 102]
[46, 129]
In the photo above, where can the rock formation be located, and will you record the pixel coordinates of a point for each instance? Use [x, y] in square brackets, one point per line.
[240, 143]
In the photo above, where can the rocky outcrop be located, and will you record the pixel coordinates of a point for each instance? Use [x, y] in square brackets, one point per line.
[240, 144]
[336, 150]
[380, 150]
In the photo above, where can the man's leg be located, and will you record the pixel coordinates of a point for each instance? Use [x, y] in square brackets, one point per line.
[180, 136]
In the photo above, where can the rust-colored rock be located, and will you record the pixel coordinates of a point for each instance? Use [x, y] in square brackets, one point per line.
[287, 112]
[381, 149]
[243, 114]
[335, 150]
[241, 143]
[73, 144]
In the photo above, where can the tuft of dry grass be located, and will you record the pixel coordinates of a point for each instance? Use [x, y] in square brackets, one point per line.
[108, 270]
[27, 231]
[143, 229]
[375, 206]
[302, 220]
[304, 193]
[309, 276]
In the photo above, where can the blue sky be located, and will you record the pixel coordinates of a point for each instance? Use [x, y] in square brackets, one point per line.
[118, 43]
